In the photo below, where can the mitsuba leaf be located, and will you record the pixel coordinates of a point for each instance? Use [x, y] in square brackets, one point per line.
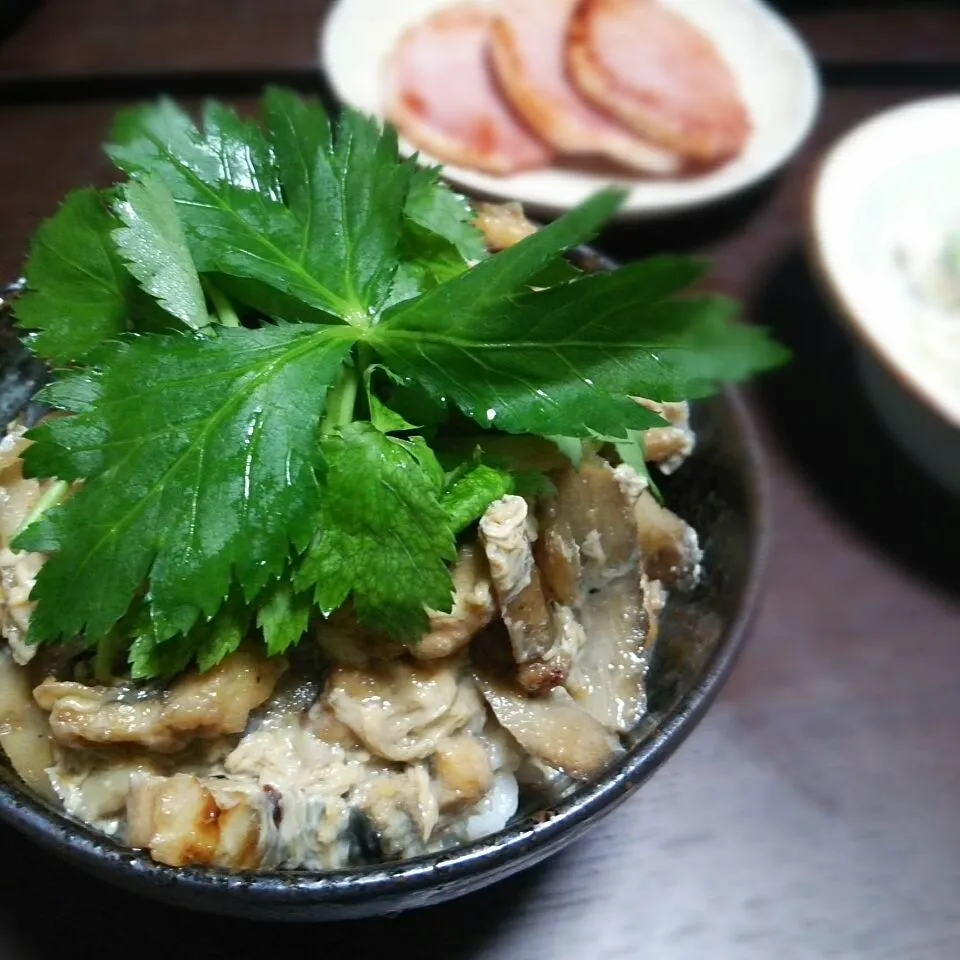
[633, 453]
[284, 616]
[446, 215]
[149, 659]
[468, 497]
[79, 292]
[311, 214]
[201, 459]
[562, 361]
[204, 481]
[384, 539]
[204, 646]
[153, 245]
[381, 416]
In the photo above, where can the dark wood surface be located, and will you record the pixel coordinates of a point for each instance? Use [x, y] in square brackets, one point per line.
[815, 813]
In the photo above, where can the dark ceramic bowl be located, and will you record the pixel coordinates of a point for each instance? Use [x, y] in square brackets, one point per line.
[719, 490]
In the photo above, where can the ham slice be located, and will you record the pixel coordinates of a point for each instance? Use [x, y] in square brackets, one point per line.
[527, 48]
[659, 75]
[442, 96]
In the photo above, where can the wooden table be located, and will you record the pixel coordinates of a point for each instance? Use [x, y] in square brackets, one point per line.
[815, 813]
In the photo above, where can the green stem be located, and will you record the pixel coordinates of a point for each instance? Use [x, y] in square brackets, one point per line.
[106, 657]
[341, 400]
[364, 359]
[53, 495]
[222, 307]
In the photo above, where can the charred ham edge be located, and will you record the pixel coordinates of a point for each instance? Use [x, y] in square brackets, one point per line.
[655, 72]
[537, 629]
[526, 50]
[552, 728]
[24, 734]
[477, 128]
[594, 511]
[197, 706]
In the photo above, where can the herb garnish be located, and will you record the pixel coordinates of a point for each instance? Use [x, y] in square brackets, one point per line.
[265, 338]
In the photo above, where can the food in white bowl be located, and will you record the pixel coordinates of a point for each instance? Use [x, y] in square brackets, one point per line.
[339, 540]
[885, 230]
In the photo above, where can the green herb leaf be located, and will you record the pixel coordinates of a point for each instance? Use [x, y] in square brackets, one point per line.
[149, 659]
[283, 617]
[153, 245]
[78, 289]
[205, 645]
[467, 497]
[516, 454]
[332, 245]
[562, 361]
[201, 458]
[221, 635]
[438, 210]
[349, 194]
[439, 240]
[381, 416]
[420, 450]
[554, 273]
[415, 405]
[210, 466]
[384, 538]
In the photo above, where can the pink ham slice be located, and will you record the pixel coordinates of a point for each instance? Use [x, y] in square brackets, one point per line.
[442, 96]
[528, 51]
[659, 75]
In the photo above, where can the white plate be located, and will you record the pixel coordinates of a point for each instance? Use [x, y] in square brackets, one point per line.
[774, 70]
[896, 176]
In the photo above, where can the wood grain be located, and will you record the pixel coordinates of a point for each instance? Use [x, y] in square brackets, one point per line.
[72, 38]
[813, 814]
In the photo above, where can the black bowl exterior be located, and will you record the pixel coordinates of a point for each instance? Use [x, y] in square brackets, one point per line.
[720, 490]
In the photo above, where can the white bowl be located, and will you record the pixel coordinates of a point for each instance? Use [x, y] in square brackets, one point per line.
[775, 72]
[894, 182]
